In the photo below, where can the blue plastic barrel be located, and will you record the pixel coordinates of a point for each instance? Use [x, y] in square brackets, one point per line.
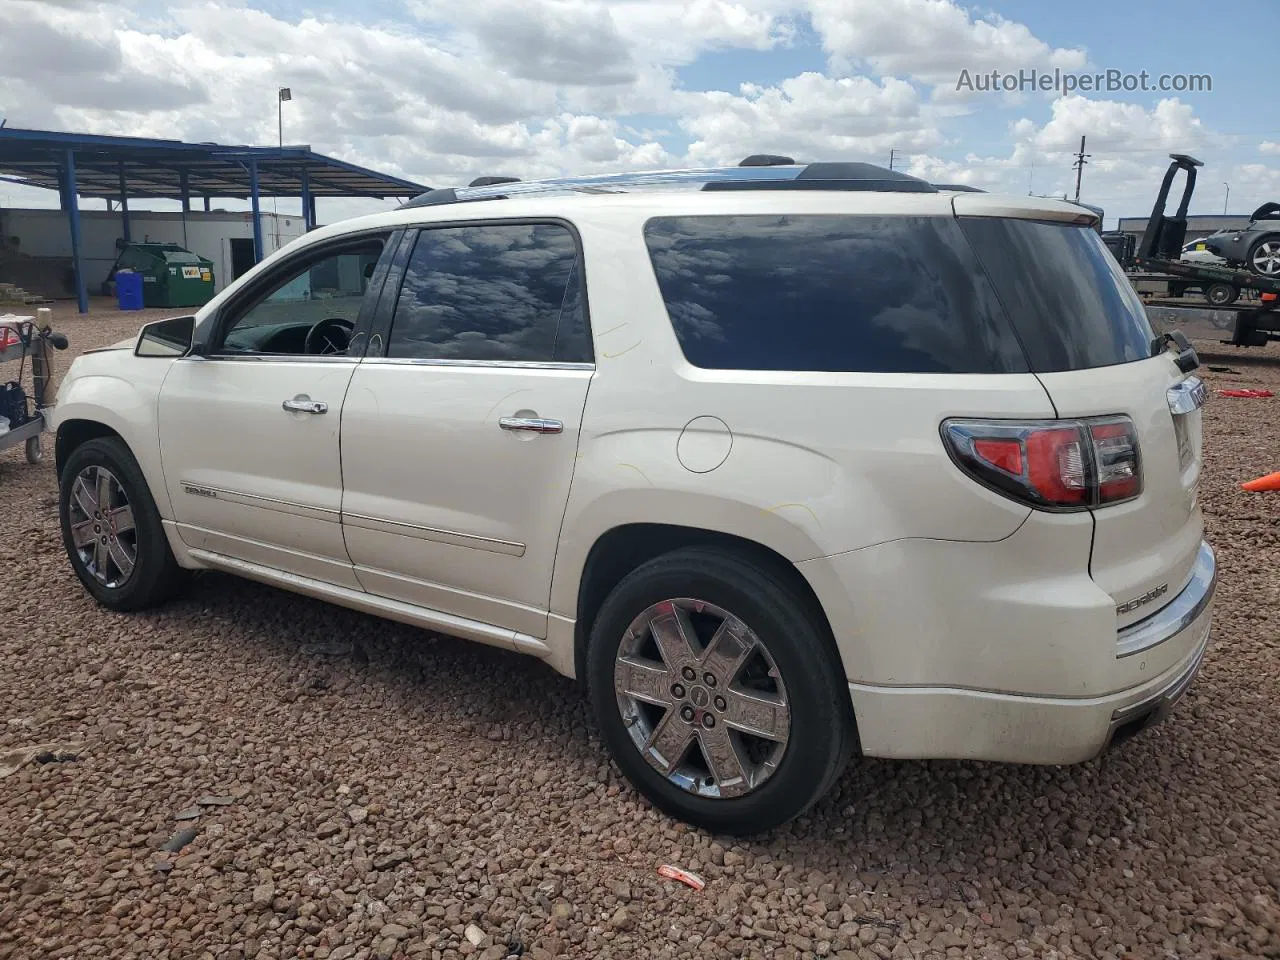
[129, 290]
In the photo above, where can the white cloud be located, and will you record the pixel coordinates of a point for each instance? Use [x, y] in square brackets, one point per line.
[1269, 146]
[811, 117]
[932, 40]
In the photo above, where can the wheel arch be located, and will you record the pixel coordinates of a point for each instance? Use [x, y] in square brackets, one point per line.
[75, 432]
[621, 549]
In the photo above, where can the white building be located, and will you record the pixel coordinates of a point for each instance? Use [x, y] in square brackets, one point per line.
[35, 244]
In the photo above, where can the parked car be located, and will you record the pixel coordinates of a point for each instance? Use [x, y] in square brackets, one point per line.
[1198, 252]
[1256, 247]
[781, 474]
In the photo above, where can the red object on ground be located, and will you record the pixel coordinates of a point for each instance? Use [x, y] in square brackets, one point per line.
[684, 876]
[1270, 482]
[1246, 394]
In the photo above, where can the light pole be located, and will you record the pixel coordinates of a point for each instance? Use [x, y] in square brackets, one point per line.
[1226, 198]
[284, 94]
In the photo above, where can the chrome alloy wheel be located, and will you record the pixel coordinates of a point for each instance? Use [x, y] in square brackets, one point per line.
[102, 526]
[1266, 259]
[702, 698]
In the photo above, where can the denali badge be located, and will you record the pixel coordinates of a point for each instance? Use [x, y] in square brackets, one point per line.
[1143, 600]
[200, 491]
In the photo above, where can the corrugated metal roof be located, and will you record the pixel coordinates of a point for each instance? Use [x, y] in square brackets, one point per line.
[156, 168]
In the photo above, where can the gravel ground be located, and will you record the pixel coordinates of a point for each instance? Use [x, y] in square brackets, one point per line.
[418, 796]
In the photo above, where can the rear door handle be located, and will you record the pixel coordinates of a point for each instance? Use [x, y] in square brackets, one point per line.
[531, 424]
[305, 405]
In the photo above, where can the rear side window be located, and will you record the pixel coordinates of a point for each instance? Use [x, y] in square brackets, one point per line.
[1067, 298]
[492, 292]
[829, 293]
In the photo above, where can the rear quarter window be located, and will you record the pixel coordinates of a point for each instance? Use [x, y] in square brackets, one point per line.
[829, 293]
[1068, 299]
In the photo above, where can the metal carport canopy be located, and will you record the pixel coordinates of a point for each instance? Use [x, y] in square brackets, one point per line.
[117, 168]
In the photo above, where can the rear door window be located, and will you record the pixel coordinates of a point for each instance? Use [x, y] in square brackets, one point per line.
[1069, 301]
[829, 293]
[492, 292]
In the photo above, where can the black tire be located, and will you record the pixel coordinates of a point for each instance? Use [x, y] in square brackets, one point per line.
[822, 733]
[155, 576]
[1221, 294]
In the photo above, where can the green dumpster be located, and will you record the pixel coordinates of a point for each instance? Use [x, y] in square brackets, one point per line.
[171, 275]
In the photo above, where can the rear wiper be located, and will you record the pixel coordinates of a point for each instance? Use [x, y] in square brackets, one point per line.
[1187, 359]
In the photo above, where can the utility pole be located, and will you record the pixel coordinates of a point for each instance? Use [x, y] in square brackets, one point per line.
[1226, 198]
[891, 153]
[1081, 160]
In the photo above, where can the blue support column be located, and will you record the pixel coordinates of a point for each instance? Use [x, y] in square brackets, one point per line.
[306, 200]
[207, 208]
[311, 212]
[73, 215]
[124, 205]
[185, 187]
[257, 211]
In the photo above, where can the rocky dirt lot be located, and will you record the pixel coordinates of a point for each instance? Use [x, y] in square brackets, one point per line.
[412, 795]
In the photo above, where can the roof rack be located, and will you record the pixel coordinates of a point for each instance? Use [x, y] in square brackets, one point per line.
[835, 176]
[492, 181]
[773, 175]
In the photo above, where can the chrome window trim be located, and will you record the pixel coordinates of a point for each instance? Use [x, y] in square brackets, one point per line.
[1178, 614]
[526, 364]
[277, 357]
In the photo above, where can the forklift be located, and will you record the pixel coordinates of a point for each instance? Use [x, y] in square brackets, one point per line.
[1161, 247]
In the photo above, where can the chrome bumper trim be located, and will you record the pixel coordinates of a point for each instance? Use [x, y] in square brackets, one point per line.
[1147, 713]
[1177, 614]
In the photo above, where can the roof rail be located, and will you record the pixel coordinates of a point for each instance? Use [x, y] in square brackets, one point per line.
[835, 176]
[492, 181]
[758, 176]
[766, 160]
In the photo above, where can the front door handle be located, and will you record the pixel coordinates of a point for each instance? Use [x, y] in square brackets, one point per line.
[305, 405]
[531, 424]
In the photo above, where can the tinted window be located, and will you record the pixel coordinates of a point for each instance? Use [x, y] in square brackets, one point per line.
[492, 292]
[1068, 299]
[880, 294]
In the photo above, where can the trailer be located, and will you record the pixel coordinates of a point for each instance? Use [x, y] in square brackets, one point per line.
[1158, 257]
[24, 417]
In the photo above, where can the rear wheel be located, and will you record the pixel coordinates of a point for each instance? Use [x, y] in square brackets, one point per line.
[1264, 257]
[1221, 294]
[112, 530]
[717, 691]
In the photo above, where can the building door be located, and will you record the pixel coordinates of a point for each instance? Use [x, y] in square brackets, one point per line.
[241, 257]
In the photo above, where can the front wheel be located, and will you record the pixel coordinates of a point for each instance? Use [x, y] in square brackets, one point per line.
[111, 528]
[718, 692]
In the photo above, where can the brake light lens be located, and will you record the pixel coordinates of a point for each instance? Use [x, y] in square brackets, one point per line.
[1056, 465]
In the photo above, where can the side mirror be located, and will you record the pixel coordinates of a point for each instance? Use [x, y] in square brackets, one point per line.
[166, 338]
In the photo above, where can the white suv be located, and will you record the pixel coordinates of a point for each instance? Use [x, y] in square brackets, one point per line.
[785, 462]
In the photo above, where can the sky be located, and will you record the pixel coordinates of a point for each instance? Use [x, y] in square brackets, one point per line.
[442, 91]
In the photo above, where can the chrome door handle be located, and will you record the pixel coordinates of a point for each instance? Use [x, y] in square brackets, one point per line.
[531, 424]
[303, 405]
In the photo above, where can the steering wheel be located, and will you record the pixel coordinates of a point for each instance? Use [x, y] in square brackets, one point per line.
[331, 335]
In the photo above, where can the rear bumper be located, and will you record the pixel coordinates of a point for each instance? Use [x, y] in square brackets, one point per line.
[917, 722]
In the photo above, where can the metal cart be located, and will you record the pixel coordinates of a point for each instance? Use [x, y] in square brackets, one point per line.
[20, 338]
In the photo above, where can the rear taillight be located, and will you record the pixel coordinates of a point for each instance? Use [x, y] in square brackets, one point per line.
[1050, 464]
